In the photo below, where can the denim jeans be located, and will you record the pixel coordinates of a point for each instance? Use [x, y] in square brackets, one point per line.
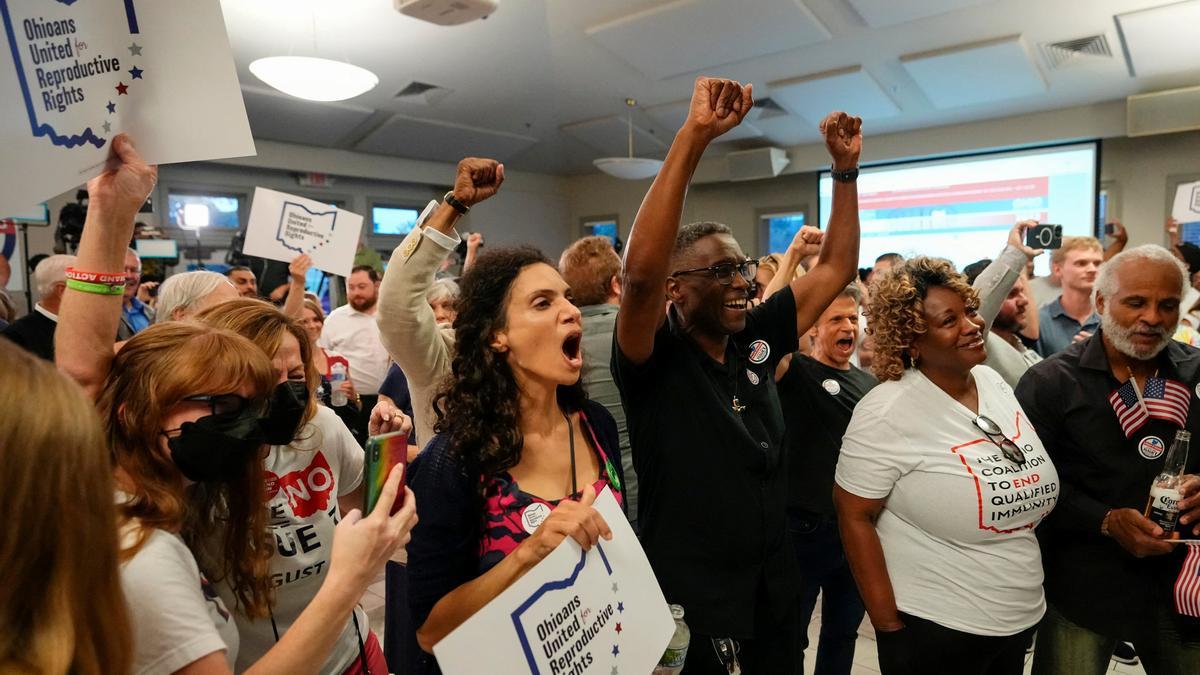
[824, 569]
[1065, 648]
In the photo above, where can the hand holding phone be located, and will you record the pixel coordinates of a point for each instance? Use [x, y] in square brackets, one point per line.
[1044, 236]
[383, 453]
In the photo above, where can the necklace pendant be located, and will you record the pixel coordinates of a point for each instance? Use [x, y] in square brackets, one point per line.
[737, 407]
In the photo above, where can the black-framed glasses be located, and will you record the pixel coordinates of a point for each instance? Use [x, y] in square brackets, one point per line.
[724, 272]
[221, 404]
[1011, 451]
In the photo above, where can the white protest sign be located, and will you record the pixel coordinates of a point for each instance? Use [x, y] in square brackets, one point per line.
[575, 613]
[283, 226]
[73, 74]
[1186, 208]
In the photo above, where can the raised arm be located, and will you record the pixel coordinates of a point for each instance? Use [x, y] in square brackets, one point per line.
[807, 242]
[837, 265]
[1119, 239]
[717, 106]
[297, 270]
[997, 279]
[87, 322]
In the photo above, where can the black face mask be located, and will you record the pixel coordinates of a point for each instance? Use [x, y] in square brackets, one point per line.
[215, 448]
[288, 404]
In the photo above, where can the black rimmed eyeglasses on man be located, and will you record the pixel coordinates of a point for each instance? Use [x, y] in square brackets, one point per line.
[1011, 451]
[724, 271]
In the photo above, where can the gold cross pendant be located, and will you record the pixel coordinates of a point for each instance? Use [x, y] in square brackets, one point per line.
[737, 407]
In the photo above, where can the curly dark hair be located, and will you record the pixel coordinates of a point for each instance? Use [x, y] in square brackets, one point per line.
[478, 405]
[896, 312]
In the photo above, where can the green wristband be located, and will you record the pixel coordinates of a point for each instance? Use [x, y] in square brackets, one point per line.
[98, 289]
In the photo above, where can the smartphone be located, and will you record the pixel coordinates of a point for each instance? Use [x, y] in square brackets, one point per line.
[1044, 236]
[1109, 229]
[383, 453]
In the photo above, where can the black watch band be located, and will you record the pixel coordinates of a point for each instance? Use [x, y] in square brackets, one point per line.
[452, 201]
[847, 176]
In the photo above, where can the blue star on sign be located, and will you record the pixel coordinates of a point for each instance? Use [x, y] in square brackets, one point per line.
[616, 650]
[621, 607]
[135, 73]
[112, 107]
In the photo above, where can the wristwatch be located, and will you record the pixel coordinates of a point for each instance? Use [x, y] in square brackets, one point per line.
[453, 201]
[847, 176]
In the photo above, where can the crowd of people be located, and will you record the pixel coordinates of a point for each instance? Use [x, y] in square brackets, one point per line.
[951, 454]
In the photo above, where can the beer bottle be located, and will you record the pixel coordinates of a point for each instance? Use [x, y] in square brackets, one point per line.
[1163, 507]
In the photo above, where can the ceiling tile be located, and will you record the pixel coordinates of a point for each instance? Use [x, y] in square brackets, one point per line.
[688, 36]
[852, 90]
[983, 72]
[280, 117]
[1161, 40]
[673, 115]
[611, 135]
[879, 13]
[429, 139]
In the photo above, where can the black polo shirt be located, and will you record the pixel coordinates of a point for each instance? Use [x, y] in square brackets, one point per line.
[817, 403]
[712, 486]
[1089, 578]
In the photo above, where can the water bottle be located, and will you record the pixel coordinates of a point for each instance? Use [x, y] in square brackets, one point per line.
[337, 375]
[1163, 507]
[672, 660]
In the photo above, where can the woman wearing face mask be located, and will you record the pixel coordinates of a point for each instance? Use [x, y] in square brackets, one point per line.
[939, 484]
[313, 474]
[516, 438]
[182, 405]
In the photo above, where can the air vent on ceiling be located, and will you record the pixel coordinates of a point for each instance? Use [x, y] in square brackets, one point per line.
[1060, 54]
[767, 108]
[422, 93]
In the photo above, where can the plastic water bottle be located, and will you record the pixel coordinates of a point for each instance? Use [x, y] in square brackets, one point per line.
[672, 660]
[337, 375]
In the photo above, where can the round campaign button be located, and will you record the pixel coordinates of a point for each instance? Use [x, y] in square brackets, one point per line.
[1151, 447]
[272, 482]
[533, 515]
[759, 351]
[752, 376]
[832, 386]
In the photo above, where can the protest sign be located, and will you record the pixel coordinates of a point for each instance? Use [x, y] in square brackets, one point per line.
[74, 74]
[599, 612]
[283, 226]
[1186, 208]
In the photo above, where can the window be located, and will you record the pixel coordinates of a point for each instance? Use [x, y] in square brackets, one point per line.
[224, 210]
[778, 229]
[393, 220]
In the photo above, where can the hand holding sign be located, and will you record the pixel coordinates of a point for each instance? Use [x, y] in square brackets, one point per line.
[126, 182]
[282, 226]
[577, 520]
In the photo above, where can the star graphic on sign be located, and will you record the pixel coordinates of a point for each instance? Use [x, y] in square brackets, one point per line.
[614, 587]
[112, 107]
[615, 671]
[618, 623]
[122, 89]
[616, 650]
[107, 127]
[135, 73]
[621, 607]
[135, 49]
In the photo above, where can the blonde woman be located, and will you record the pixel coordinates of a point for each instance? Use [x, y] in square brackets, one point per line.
[181, 404]
[61, 607]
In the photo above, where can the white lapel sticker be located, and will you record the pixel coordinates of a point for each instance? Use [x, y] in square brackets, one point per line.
[832, 386]
[759, 351]
[533, 515]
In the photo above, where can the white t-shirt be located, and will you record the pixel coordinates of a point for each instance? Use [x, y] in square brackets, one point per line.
[304, 480]
[957, 527]
[356, 336]
[177, 615]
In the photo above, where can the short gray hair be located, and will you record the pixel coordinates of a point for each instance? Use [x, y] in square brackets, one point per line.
[441, 290]
[50, 271]
[183, 290]
[1106, 282]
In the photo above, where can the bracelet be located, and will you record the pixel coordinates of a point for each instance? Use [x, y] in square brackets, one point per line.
[95, 277]
[455, 203]
[98, 289]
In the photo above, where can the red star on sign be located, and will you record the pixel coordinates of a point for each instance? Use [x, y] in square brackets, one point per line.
[618, 628]
[121, 89]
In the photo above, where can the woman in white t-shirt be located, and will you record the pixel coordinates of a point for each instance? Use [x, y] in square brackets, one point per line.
[185, 411]
[940, 482]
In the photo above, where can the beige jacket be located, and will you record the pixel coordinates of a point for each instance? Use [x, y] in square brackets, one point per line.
[421, 348]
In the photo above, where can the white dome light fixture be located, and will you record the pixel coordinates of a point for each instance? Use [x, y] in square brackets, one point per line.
[313, 78]
[629, 168]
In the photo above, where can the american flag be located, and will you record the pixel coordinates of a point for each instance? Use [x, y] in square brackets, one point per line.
[1163, 400]
[1187, 586]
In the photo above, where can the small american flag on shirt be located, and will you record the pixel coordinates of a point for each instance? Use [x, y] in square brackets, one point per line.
[1163, 399]
[1187, 586]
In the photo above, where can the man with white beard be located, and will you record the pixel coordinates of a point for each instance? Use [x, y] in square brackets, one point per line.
[1109, 571]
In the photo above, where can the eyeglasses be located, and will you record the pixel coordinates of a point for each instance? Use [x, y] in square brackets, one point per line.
[724, 272]
[1008, 448]
[221, 404]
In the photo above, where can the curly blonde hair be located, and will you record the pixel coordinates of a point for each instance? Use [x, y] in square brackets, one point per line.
[896, 312]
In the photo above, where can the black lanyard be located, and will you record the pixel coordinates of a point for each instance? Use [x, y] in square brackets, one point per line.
[571, 441]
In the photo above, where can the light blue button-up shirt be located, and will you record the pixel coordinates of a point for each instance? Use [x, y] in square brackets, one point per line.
[1057, 329]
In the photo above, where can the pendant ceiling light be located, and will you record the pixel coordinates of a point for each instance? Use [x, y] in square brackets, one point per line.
[629, 168]
[312, 77]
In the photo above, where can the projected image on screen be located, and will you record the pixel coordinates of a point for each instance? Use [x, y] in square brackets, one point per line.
[961, 208]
